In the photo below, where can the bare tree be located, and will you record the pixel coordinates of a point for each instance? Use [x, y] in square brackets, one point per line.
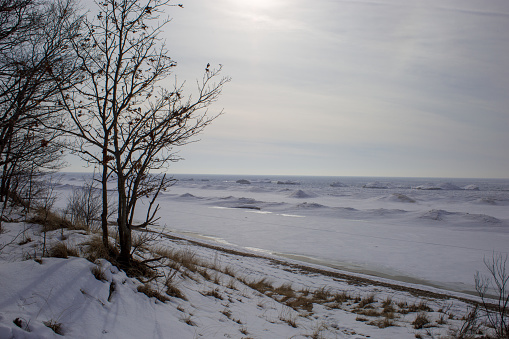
[124, 120]
[496, 282]
[35, 64]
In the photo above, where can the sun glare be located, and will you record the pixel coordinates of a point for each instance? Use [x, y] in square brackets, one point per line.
[255, 6]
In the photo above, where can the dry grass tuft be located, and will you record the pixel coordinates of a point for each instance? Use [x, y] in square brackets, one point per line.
[366, 301]
[422, 306]
[231, 284]
[61, 250]
[216, 279]
[387, 302]
[172, 290]
[204, 273]
[263, 285]
[94, 249]
[243, 330]
[341, 297]
[442, 320]
[228, 270]
[99, 273]
[300, 303]
[289, 318]
[322, 294]
[188, 320]
[138, 269]
[286, 291]
[420, 321]
[370, 312]
[213, 293]
[151, 293]
[227, 313]
[381, 323]
[388, 307]
[55, 326]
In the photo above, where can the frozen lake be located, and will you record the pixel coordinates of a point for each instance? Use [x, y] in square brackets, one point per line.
[428, 231]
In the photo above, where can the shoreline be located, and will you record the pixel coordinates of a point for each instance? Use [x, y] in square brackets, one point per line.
[413, 286]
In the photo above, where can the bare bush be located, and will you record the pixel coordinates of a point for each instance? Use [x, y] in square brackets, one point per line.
[470, 326]
[497, 282]
[84, 205]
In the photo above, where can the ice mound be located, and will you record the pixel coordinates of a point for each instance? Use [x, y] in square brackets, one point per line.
[436, 214]
[257, 190]
[301, 194]
[247, 201]
[487, 200]
[65, 186]
[385, 211]
[471, 187]
[243, 182]
[250, 207]
[485, 219]
[310, 205]
[262, 181]
[397, 197]
[189, 196]
[338, 184]
[287, 182]
[401, 198]
[376, 184]
[443, 186]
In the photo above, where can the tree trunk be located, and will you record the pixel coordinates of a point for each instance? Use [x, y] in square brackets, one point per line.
[104, 215]
[124, 229]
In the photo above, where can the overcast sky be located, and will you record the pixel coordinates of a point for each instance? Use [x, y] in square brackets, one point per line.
[349, 88]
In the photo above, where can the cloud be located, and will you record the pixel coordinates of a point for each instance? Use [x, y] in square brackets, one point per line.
[382, 87]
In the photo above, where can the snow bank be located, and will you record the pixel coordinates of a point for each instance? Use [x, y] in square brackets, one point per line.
[65, 291]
